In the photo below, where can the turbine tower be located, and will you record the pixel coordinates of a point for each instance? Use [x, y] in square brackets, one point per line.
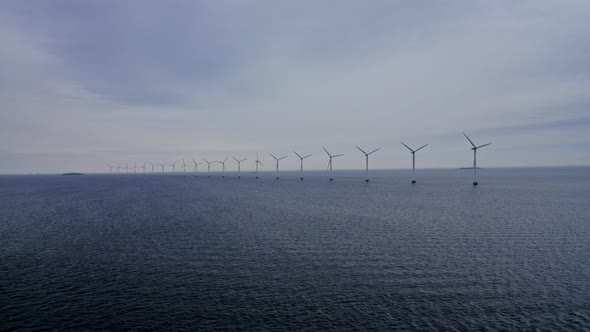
[330, 162]
[474, 148]
[258, 162]
[163, 167]
[239, 165]
[222, 166]
[153, 166]
[301, 159]
[196, 166]
[413, 152]
[277, 159]
[367, 161]
[208, 166]
[173, 166]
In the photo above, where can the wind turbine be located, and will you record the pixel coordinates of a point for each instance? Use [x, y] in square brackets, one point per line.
[196, 165]
[330, 162]
[183, 166]
[413, 152]
[301, 158]
[258, 162]
[111, 168]
[118, 169]
[222, 166]
[143, 167]
[163, 167]
[367, 161]
[173, 166]
[153, 166]
[126, 168]
[474, 148]
[134, 168]
[277, 159]
[239, 165]
[208, 166]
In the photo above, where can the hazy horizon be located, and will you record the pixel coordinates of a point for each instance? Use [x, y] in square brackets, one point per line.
[89, 83]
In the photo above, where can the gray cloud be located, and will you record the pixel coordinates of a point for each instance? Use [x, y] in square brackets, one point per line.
[118, 80]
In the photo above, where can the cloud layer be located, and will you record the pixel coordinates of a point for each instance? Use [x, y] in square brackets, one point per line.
[84, 83]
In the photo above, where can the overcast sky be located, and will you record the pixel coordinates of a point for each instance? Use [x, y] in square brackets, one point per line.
[83, 83]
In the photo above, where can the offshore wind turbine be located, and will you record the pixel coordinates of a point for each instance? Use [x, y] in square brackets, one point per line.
[153, 166]
[367, 161]
[134, 168]
[277, 159]
[330, 162]
[413, 152]
[258, 162]
[183, 166]
[118, 169]
[239, 165]
[208, 166]
[301, 159]
[111, 168]
[196, 166]
[163, 167]
[222, 166]
[173, 166]
[126, 168]
[143, 167]
[474, 148]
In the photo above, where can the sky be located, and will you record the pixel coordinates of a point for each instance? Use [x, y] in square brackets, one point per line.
[86, 83]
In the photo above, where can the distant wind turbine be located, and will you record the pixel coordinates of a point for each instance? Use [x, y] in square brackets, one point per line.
[239, 165]
[111, 168]
[367, 161]
[474, 148]
[414, 159]
[183, 166]
[173, 166]
[153, 166]
[277, 159]
[330, 162]
[223, 166]
[134, 168]
[257, 163]
[196, 166]
[301, 159]
[208, 166]
[126, 168]
[163, 167]
[118, 169]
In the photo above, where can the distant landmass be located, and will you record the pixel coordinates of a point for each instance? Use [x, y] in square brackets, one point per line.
[73, 174]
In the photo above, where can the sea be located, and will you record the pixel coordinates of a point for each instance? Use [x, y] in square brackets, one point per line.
[197, 252]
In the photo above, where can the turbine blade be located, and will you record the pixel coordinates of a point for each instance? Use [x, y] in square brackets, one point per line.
[404, 144]
[481, 146]
[244, 159]
[297, 154]
[338, 155]
[327, 151]
[374, 151]
[361, 150]
[273, 155]
[420, 148]
[283, 157]
[236, 159]
[260, 162]
[309, 155]
[470, 141]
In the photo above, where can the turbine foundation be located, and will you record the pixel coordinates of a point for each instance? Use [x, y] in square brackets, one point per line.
[475, 183]
[413, 181]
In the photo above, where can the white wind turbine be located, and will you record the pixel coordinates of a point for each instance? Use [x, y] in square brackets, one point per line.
[153, 167]
[414, 159]
[110, 168]
[277, 159]
[301, 159]
[258, 162]
[208, 166]
[474, 148]
[196, 166]
[367, 161]
[330, 162]
[223, 166]
[126, 168]
[183, 166]
[163, 167]
[239, 165]
[173, 166]
[118, 169]
[134, 168]
[143, 167]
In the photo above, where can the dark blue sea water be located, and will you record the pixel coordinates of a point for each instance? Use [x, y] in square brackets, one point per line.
[177, 252]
